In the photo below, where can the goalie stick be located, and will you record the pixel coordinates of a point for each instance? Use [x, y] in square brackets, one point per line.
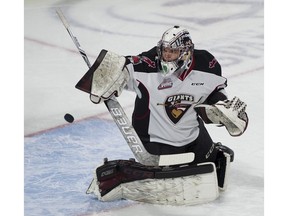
[122, 121]
[74, 39]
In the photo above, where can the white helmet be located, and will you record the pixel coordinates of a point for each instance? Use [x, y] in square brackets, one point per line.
[176, 38]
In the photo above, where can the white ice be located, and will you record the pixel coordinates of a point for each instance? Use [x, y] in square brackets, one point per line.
[232, 30]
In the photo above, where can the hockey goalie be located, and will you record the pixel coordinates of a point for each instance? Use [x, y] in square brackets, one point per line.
[178, 89]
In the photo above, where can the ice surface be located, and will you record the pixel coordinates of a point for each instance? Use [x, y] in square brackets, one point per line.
[59, 158]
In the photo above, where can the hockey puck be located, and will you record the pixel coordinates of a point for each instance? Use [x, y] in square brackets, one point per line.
[68, 117]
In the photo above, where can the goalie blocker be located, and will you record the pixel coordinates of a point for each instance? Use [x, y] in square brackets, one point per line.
[174, 185]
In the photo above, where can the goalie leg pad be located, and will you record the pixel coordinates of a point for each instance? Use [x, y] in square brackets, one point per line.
[181, 185]
[188, 190]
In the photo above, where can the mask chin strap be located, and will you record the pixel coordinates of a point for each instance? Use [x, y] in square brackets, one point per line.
[167, 68]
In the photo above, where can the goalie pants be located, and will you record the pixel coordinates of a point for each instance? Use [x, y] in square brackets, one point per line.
[203, 147]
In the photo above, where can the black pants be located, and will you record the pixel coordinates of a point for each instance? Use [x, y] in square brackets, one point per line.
[203, 147]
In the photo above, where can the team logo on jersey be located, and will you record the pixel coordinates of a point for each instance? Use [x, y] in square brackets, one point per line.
[135, 60]
[177, 105]
[167, 83]
[212, 63]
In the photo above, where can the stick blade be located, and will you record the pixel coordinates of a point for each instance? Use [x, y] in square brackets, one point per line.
[176, 159]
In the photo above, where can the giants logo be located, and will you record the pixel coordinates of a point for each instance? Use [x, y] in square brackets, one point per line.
[177, 105]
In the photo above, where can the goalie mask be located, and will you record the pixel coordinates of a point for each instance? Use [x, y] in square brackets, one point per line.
[175, 51]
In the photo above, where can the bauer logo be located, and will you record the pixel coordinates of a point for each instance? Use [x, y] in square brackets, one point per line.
[126, 129]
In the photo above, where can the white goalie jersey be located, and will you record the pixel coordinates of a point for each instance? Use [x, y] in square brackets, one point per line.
[171, 100]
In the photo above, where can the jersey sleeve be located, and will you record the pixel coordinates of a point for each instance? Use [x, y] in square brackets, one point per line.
[206, 62]
[145, 62]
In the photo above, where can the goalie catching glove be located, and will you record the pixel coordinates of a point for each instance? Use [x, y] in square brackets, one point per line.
[231, 114]
[110, 76]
